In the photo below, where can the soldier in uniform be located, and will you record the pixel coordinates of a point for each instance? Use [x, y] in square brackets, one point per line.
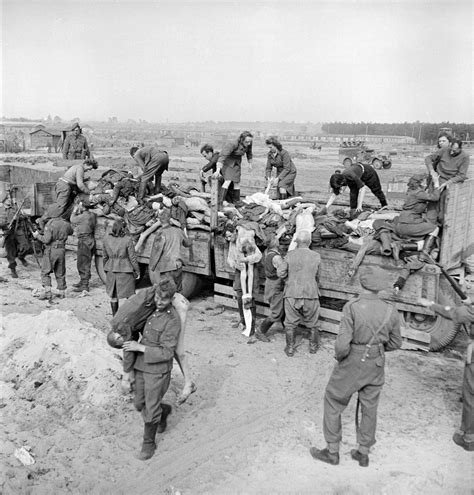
[75, 145]
[274, 286]
[462, 315]
[301, 271]
[15, 235]
[54, 238]
[153, 365]
[66, 190]
[369, 328]
[84, 221]
[153, 163]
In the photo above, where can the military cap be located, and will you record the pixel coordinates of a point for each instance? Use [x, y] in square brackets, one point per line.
[374, 279]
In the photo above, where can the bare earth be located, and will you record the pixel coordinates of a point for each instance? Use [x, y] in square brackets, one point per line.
[247, 429]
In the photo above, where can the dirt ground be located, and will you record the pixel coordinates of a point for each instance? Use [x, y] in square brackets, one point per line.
[247, 429]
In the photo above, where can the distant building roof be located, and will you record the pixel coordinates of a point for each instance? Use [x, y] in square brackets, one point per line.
[51, 131]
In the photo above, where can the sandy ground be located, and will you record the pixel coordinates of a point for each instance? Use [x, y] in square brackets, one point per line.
[247, 429]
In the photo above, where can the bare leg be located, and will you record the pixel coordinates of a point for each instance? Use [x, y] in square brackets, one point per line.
[371, 246]
[247, 282]
[181, 305]
[145, 234]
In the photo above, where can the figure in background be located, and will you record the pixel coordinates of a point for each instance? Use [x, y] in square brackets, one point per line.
[120, 264]
[75, 145]
[84, 222]
[280, 159]
[462, 315]
[14, 235]
[300, 269]
[153, 365]
[369, 328]
[274, 287]
[56, 232]
[66, 189]
[153, 163]
[357, 177]
[451, 166]
[166, 256]
[207, 151]
[229, 165]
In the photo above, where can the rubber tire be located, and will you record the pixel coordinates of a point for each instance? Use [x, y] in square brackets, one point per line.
[387, 165]
[347, 162]
[99, 267]
[442, 330]
[377, 163]
[192, 284]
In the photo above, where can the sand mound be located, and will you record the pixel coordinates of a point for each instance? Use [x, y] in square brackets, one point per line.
[57, 360]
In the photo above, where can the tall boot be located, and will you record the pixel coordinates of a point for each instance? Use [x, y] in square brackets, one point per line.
[148, 445]
[253, 310]
[13, 272]
[260, 334]
[114, 306]
[222, 195]
[314, 340]
[386, 240]
[240, 305]
[409, 246]
[396, 246]
[428, 245]
[236, 196]
[290, 342]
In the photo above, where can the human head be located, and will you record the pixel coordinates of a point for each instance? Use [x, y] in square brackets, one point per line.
[273, 241]
[416, 182]
[164, 292]
[373, 279]
[273, 143]
[246, 138]
[90, 164]
[115, 340]
[444, 139]
[456, 147]
[207, 151]
[337, 181]
[303, 238]
[165, 216]
[118, 228]
[76, 129]
[133, 150]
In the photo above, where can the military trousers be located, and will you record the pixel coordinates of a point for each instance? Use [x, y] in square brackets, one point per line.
[350, 376]
[467, 418]
[54, 261]
[85, 251]
[274, 297]
[149, 390]
[304, 311]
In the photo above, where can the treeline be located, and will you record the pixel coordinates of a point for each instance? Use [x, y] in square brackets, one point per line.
[423, 132]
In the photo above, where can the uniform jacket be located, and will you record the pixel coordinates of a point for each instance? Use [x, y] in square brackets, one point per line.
[415, 206]
[362, 316]
[75, 147]
[75, 176]
[56, 232]
[452, 168]
[160, 337]
[119, 255]
[282, 162]
[84, 223]
[301, 267]
[166, 250]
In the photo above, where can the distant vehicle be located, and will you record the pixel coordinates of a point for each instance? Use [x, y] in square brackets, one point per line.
[356, 151]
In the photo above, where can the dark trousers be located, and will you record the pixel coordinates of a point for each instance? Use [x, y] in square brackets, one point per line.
[65, 194]
[372, 181]
[274, 296]
[467, 418]
[149, 390]
[85, 251]
[16, 245]
[349, 376]
[54, 261]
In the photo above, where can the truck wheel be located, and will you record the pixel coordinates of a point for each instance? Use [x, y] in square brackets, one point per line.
[376, 163]
[192, 284]
[387, 164]
[442, 330]
[347, 162]
[99, 267]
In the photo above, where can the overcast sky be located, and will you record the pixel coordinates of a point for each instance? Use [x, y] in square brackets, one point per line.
[377, 61]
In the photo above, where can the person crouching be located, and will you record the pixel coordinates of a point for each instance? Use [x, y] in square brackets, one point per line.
[153, 365]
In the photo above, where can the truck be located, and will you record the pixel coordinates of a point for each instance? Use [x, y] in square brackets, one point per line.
[353, 152]
[206, 261]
